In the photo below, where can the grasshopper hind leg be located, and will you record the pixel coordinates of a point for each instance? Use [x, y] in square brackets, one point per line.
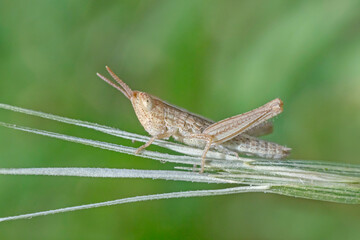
[203, 157]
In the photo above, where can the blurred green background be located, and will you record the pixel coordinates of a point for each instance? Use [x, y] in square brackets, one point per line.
[215, 58]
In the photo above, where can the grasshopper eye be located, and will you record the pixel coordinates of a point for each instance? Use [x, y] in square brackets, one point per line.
[147, 102]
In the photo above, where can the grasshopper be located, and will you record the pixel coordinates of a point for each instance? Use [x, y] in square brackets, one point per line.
[234, 135]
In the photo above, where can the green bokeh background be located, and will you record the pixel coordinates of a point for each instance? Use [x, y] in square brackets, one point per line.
[215, 58]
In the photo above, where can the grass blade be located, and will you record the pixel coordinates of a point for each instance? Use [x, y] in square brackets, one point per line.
[198, 193]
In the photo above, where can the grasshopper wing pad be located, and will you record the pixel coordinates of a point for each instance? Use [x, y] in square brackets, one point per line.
[262, 129]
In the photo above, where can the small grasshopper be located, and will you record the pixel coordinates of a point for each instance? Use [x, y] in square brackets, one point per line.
[234, 135]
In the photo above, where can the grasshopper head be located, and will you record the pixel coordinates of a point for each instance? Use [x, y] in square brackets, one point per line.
[150, 112]
[147, 108]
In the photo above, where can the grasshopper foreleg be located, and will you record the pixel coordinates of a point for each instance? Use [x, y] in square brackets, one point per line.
[151, 140]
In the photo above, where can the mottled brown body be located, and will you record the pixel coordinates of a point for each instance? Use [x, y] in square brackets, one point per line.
[234, 135]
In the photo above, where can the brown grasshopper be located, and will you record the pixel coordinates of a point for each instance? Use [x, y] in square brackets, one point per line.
[234, 135]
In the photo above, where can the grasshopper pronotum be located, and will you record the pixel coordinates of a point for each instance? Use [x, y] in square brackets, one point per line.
[234, 135]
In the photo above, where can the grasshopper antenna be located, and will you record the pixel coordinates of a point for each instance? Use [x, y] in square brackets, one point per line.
[122, 88]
